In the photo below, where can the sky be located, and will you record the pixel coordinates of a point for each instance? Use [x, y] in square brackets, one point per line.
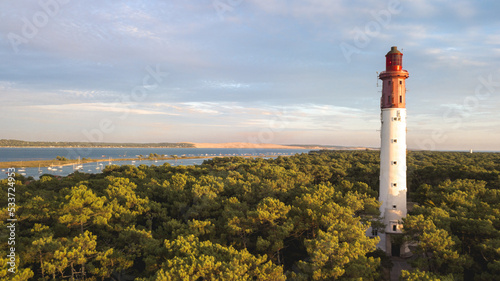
[260, 71]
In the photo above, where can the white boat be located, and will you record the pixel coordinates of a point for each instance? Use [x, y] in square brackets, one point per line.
[78, 166]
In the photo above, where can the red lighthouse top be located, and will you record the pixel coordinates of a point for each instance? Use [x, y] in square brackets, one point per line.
[394, 60]
[394, 76]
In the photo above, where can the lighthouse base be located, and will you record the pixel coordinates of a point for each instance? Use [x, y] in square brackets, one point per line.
[393, 245]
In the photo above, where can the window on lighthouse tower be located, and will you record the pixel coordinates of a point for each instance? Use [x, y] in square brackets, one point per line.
[394, 225]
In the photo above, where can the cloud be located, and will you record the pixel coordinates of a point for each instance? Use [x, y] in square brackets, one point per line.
[225, 84]
[96, 107]
[90, 94]
[305, 9]
[304, 116]
[451, 56]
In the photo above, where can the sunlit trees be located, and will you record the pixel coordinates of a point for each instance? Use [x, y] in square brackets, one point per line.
[191, 259]
[83, 206]
[123, 202]
[456, 230]
[270, 223]
[435, 249]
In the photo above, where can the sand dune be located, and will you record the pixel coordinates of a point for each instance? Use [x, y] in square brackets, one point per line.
[274, 146]
[244, 145]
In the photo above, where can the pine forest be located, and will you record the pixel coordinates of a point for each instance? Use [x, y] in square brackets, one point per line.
[303, 217]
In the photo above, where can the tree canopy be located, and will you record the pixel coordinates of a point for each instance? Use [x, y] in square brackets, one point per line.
[302, 217]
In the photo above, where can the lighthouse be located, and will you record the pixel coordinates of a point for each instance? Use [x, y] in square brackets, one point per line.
[392, 194]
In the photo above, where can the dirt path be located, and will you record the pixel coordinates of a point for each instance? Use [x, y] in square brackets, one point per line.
[399, 264]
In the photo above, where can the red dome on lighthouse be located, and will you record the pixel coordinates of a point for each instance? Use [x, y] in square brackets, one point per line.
[394, 60]
[394, 76]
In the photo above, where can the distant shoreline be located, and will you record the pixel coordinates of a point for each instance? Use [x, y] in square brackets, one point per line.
[233, 145]
[245, 147]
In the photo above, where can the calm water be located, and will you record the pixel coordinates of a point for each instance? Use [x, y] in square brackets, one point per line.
[25, 154]
[113, 156]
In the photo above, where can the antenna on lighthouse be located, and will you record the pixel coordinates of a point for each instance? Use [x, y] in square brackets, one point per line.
[377, 79]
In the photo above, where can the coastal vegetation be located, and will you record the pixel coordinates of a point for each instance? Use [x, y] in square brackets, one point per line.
[302, 217]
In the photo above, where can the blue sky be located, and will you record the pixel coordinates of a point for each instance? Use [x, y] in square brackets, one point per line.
[262, 71]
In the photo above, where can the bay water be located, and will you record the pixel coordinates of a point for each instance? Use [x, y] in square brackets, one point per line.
[109, 156]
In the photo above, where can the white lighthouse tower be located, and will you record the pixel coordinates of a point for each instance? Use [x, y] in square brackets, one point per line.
[392, 193]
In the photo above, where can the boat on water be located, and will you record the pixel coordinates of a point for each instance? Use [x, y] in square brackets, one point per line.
[78, 165]
[22, 171]
[51, 168]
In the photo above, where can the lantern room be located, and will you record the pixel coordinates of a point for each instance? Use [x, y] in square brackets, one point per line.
[394, 60]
